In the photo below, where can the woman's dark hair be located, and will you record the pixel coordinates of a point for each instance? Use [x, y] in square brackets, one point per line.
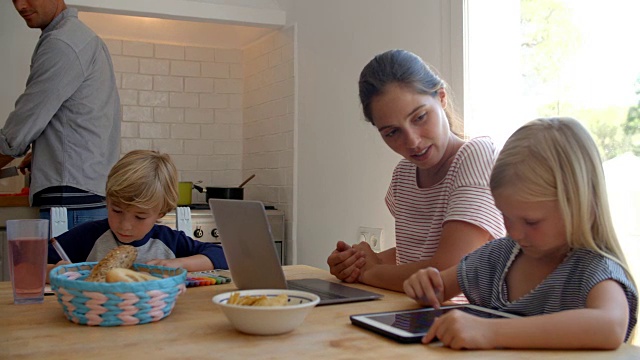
[404, 68]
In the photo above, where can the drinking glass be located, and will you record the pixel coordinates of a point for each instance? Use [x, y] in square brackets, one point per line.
[28, 241]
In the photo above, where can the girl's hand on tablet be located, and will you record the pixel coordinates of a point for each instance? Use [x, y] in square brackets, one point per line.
[426, 287]
[459, 330]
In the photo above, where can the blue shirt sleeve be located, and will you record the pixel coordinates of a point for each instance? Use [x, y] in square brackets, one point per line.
[78, 241]
[184, 246]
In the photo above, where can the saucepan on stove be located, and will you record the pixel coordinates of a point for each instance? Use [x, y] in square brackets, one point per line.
[234, 193]
[184, 193]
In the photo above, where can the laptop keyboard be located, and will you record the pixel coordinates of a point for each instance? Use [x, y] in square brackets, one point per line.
[321, 294]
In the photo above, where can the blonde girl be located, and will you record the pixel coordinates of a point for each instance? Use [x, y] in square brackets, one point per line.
[560, 267]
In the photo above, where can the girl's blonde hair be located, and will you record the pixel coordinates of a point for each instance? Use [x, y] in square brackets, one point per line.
[145, 179]
[557, 159]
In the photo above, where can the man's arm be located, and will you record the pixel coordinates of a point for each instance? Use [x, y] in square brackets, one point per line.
[56, 73]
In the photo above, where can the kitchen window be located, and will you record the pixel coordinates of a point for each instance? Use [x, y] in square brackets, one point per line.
[539, 58]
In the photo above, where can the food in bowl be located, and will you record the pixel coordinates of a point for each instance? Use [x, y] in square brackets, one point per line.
[262, 300]
[267, 320]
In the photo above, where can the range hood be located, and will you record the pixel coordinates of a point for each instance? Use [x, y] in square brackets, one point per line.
[189, 10]
[201, 23]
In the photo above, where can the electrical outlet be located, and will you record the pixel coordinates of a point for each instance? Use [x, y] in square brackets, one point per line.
[372, 236]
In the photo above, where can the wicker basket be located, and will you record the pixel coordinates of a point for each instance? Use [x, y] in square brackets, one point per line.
[115, 304]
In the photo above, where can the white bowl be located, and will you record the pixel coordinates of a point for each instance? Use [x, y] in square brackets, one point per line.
[268, 320]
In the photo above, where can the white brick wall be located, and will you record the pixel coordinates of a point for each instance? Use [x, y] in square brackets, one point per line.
[172, 102]
[168, 83]
[267, 120]
[152, 98]
[169, 52]
[222, 114]
[154, 66]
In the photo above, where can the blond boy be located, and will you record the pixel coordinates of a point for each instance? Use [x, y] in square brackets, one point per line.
[141, 188]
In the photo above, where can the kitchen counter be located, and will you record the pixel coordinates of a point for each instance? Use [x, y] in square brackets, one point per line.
[16, 207]
[197, 329]
[14, 200]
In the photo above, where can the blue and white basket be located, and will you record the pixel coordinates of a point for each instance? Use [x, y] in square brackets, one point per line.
[115, 304]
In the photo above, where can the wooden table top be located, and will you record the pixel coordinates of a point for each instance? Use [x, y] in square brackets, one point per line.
[197, 329]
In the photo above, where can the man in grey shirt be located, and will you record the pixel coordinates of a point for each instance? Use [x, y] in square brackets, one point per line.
[68, 115]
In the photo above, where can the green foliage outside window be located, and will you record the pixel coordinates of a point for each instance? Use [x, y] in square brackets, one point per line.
[632, 125]
[550, 40]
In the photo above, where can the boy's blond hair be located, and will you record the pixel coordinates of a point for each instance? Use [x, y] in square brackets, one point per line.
[145, 179]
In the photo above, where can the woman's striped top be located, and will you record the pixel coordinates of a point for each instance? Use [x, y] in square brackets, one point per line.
[462, 195]
[482, 274]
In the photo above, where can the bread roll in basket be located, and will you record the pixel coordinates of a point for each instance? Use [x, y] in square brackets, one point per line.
[118, 303]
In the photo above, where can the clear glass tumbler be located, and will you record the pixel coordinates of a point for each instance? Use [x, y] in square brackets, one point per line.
[28, 242]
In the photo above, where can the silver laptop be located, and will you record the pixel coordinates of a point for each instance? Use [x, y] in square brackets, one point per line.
[253, 261]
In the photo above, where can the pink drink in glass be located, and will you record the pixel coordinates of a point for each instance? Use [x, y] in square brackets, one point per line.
[27, 259]
[27, 244]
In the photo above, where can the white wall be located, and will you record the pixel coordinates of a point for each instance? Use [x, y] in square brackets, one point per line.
[342, 166]
[184, 101]
[176, 32]
[17, 42]
[268, 123]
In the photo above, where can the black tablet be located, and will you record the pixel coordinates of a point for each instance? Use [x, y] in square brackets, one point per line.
[409, 326]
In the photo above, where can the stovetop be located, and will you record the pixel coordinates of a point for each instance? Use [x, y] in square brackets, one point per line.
[202, 206]
[205, 206]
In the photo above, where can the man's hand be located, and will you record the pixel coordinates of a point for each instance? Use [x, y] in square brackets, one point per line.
[25, 165]
[5, 160]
